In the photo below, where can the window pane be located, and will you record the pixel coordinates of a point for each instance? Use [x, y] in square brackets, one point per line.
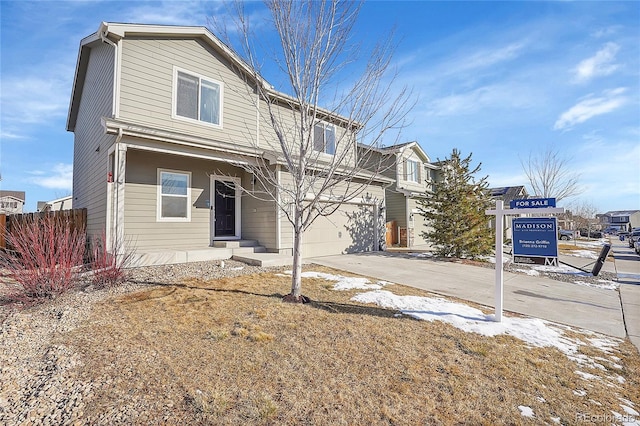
[210, 102]
[330, 140]
[174, 206]
[187, 96]
[318, 138]
[174, 183]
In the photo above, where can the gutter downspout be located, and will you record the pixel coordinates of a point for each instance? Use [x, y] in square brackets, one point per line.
[114, 97]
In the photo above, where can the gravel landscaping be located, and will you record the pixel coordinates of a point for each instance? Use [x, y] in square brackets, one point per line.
[38, 374]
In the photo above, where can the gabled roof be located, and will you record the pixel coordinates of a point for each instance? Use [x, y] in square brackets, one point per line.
[117, 31]
[398, 148]
[19, 195]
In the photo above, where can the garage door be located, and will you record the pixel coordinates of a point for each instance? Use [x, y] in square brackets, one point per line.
[348, 230]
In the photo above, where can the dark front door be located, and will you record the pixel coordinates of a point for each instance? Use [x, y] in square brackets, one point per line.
[225, 208]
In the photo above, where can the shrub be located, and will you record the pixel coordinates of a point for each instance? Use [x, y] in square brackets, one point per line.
[46, 257]
[108, 267]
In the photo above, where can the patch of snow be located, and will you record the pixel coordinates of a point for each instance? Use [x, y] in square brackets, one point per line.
[237, 268]
[541, 399]
[583, 253]
[607, 285]
[412, 254]
[555, 419]
[626, 401]
[530, 272]
[604, 344]
[561, 269]
[586, 376]
[344, 283]
[531, 330]
[629, 410]
[525, 411]
[580, 392]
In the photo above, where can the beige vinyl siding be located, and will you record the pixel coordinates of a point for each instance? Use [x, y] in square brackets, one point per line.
[258, 215]
[141, 200]
[146, 90]
[396, 207]
[289, 121]
[418, 223]
[91, 145]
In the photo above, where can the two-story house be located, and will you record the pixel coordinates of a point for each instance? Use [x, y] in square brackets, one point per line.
[620, 220]
[164, 119]
[413, 174]
[11, 202]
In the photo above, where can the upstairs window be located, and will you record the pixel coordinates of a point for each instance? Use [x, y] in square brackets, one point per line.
[324, 138]
[174, 197]
[198, 98]
[412, 171]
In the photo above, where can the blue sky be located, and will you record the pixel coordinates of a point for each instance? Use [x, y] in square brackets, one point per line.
[498, 79]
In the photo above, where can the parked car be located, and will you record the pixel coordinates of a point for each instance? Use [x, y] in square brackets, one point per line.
[637, 246]
[565, 235]
[633, 237]
[590, 233]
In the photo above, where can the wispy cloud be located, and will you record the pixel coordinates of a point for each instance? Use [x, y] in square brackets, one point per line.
[168, 13]
[591, 107]
[61, 177]
[35, 99]
[600, 64]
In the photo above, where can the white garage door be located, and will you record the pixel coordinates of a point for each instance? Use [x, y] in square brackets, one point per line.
[348, 230]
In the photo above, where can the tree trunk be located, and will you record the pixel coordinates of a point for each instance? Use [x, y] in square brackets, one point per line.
[296, 276]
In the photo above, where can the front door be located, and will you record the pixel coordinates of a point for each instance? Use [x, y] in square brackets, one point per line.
[225, 208]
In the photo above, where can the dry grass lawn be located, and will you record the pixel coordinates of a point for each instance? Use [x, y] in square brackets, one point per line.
[230, 352]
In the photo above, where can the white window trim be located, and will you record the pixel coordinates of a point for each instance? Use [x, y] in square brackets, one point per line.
[174, 98]
[159, 196]
[416, 171]
[325, 126]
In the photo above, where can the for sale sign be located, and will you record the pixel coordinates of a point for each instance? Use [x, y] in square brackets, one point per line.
[535, 240]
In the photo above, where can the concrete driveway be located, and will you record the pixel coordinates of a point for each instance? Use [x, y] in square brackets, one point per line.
[585, 307]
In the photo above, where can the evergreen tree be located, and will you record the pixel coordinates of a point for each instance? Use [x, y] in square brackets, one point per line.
[455, 214]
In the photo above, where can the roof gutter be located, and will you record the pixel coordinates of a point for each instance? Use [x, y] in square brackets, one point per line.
[116, 78]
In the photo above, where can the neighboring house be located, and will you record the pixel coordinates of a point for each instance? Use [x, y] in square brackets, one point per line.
[622, 220]
[64, 203]
[163, 119]
[507, 194]
[12, 202]
[413, 174]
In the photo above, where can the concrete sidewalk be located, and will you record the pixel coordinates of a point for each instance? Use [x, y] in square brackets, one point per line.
[627, 265]
[585, 307]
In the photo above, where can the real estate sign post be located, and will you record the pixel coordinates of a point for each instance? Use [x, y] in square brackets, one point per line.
[542, 242]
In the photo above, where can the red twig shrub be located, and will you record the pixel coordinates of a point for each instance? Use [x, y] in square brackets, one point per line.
[46, 258]
[108, 267]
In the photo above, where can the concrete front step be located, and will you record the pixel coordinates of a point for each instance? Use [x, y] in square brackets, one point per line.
[245, 250]
[233, 244]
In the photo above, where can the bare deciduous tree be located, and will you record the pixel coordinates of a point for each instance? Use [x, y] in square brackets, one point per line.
[316, 146]
[584, 214]
[550, 176]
